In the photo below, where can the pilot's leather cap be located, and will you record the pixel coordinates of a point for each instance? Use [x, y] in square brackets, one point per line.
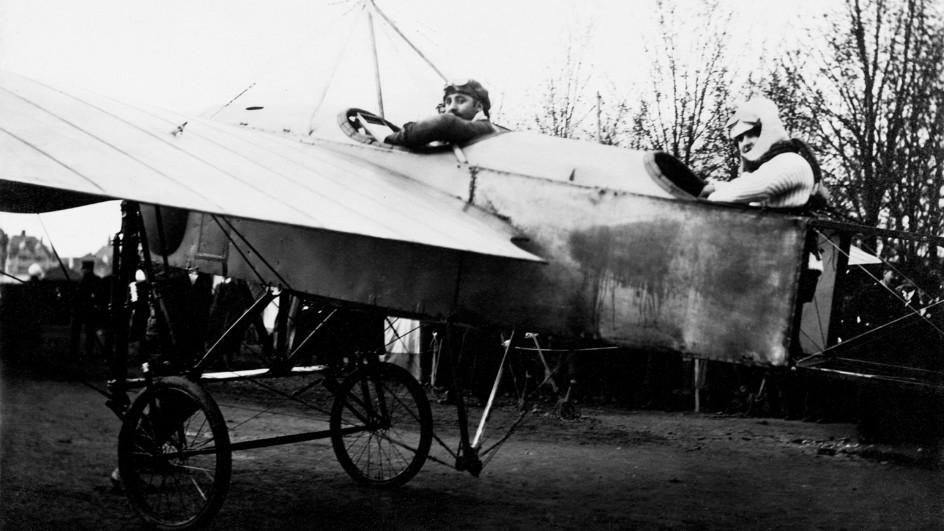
[469, 87]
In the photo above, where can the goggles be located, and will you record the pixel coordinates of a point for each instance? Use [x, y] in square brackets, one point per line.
[753, 131]
[737, 127]
[468, 87]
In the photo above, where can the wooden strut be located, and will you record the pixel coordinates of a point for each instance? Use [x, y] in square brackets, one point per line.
[116, 343]
[467, 456]
[268, 442]
[124, 263]
[494, 391]
[471, 455]
[373, 46]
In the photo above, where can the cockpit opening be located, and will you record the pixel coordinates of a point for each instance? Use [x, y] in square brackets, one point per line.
[672, 175]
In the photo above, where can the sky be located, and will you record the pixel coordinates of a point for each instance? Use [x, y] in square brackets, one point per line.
[303, 55]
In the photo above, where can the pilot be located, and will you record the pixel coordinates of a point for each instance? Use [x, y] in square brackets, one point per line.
[776, 171]
[463, 116]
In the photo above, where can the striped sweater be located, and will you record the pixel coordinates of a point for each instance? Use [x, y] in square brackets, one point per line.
[783, 181]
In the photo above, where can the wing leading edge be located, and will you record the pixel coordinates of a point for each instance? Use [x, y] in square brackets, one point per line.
[63, 149]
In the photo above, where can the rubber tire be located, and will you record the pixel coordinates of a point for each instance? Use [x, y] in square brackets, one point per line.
[406, 399]
[187, 402]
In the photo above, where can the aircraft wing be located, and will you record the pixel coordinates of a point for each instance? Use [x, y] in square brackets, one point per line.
[61, 149]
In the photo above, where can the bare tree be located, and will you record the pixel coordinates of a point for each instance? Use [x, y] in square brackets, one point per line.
[917, 199]
[562, 105]
[685, 111]
[873, 102]
[609, 127]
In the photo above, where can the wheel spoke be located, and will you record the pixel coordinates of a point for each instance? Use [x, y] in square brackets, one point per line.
[199, 490]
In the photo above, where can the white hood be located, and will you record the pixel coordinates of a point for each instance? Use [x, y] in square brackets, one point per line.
[758, 111]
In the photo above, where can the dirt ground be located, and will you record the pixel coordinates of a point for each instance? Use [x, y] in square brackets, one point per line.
[607, 469]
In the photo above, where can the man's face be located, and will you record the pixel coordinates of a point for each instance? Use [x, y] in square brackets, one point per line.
[746, 140]
[461, 105]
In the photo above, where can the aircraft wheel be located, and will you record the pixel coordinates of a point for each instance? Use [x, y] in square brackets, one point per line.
[381, 425]
[174, 455]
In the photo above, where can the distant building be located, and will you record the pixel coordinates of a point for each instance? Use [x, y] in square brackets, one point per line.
[22, 251]
[18, 253]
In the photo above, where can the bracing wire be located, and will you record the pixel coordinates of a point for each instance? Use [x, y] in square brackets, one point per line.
[14, 277]
[236, 97]
[913, 311]
[294, 396]
[331, 75]
[872, 331]
[265, 262]
[52, 245]
[239, 250]
[406, 40]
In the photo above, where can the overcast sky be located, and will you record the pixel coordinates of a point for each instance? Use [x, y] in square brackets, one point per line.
[193, 56]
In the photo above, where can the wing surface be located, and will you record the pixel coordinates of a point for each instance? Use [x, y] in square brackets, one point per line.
[60, 149]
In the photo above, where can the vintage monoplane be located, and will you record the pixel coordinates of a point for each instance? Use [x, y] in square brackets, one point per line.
[514, 230]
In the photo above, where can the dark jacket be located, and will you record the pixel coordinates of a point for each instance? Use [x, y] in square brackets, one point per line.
[443, 127]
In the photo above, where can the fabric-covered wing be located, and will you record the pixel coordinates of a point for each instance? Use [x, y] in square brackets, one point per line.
[60, 149]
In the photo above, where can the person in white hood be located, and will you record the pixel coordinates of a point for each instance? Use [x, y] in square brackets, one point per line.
[776, 171]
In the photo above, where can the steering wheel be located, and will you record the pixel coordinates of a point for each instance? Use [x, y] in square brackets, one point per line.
[365, 126]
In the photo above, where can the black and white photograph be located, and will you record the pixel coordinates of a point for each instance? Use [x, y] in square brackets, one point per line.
[521, 264]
